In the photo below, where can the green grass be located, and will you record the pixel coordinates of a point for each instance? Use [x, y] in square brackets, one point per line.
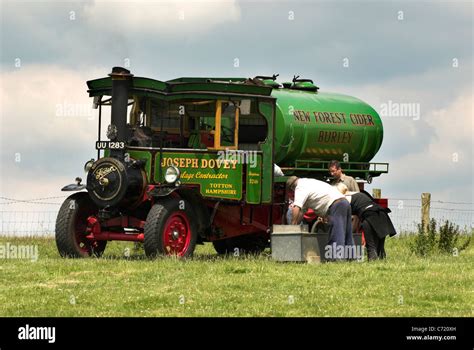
[208, 285]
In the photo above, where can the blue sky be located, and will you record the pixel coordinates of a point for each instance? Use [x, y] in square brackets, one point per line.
[405, 52]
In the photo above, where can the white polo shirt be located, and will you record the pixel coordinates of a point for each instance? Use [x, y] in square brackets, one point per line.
[315, 194]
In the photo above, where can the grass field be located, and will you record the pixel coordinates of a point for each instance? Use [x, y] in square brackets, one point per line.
[209, 285]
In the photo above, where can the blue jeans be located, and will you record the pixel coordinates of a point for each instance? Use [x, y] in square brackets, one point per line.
[340, 229]
[289, 215]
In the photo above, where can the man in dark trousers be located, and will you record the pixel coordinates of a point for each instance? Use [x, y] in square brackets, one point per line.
[374, 220]
[326, 201]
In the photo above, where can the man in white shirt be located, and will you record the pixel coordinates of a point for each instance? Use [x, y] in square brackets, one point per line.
[327, 201]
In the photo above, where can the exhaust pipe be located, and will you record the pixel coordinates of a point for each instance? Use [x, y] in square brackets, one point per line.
[121, 82]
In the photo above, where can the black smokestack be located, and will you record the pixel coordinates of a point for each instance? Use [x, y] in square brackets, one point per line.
[121, 82]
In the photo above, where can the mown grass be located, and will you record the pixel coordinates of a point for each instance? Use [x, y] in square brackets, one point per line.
[209, 285]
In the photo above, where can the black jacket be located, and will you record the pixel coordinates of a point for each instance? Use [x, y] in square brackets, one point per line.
[364, 206]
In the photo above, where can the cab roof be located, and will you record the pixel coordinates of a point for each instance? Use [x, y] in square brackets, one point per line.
[103, 86]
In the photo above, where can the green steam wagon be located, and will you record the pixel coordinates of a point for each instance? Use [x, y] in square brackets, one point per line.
[191, 160]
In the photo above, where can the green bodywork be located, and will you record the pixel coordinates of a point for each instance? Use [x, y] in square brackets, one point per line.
[305, 130]
[216, 175]
[324, 126]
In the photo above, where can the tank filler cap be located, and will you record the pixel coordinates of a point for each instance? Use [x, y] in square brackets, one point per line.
[269, 81]
[303, 84]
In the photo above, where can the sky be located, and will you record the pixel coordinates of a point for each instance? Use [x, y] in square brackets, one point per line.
[416, 54]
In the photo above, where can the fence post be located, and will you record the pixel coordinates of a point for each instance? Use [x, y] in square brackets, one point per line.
[425, 211]
[376, 193]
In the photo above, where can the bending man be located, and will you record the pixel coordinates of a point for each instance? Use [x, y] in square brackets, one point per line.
[325, 200]
[374, 220]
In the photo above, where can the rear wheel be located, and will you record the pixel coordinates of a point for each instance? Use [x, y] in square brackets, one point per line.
[71, 225]
[247, 244]
[170, 229]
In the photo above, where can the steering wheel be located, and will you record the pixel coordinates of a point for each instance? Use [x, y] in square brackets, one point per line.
[208, 127]
[227, 136]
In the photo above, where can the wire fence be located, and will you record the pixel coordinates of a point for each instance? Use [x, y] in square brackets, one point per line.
[27, 223]
[29, 217]
[37, 217]
[406, 213]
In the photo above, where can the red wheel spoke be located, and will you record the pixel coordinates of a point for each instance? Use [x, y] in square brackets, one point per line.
[177, 234]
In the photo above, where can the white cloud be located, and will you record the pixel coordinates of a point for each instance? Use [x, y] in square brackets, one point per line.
[422, 152]
[48, 122]
[44, 104]
[454, 125]
[445, 166]
[161, 17]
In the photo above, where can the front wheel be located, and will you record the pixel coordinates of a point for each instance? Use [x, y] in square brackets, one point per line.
[71, 225]
[170, 229]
